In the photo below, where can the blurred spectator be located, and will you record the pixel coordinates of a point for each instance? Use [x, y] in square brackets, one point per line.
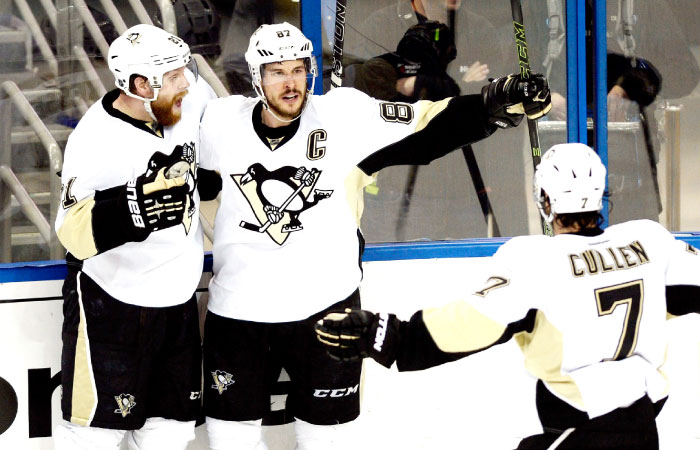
[247, 16]
[478, 44]
[417, 70]
[444, 189]
[651, 63]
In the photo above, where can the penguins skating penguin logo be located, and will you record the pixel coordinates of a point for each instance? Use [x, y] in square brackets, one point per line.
[222, 380]
[134, 38]
[278, 197]
[181, 162]
[126, 402]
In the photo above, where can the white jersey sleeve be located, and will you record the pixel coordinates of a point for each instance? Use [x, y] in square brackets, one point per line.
[408, 133]
[588, 312]
[165, 268]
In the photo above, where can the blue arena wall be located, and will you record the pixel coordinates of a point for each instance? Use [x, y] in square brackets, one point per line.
[467, 248]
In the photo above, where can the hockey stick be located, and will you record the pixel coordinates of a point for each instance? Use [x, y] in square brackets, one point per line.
[262, 228]
[524, 63]
[412, 171]
[650, 153]
[406, 200]
[338, 41]
[628, 45]
[481, 191]
[474, 171]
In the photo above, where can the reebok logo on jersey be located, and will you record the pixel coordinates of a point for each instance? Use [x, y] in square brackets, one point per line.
[126, 402]
[381, 332]
[133, 204]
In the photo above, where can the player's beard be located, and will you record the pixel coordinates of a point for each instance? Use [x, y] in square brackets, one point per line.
[163, 110]
[276, 105]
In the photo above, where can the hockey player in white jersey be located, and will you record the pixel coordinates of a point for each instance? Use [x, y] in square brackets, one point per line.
[287, 245]
[129, 218]
[592, 332]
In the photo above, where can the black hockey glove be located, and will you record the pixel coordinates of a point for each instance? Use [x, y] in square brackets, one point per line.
[357, 334]
[507, 99]
[156, 201]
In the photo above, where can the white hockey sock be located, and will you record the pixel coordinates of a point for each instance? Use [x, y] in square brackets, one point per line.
[159, 433]
[324, 437]
[228, 434]
[69, 436]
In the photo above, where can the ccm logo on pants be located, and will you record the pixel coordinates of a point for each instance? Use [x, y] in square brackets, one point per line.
[336, 392]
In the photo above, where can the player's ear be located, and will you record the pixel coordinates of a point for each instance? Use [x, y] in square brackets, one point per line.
[141, 87]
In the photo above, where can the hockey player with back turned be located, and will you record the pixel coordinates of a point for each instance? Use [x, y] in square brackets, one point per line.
[287, 245]
[594, 338]
[129, 217]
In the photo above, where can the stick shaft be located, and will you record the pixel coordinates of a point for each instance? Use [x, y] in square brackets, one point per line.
[524, 64]
[338, 42]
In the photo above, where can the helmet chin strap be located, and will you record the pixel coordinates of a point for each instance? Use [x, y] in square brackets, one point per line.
[303, 107]
[269, 110]
[147, 107]
[549, 218]
[146, 102]
[307, 99]
[541, 206]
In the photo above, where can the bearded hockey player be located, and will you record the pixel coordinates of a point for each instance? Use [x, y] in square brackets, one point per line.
[129, 218]
[597, 389]
[288, 246]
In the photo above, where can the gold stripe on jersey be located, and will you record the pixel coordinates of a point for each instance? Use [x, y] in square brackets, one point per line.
[543, 348]
[446, 326]
[427, 110]
[84, 398]
[355, 183]
[76, 230]
[593, 262]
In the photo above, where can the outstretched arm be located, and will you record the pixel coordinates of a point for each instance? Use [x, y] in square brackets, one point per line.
[455, 122]
[430, 338]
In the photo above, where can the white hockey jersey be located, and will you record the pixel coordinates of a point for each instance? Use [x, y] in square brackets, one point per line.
[588, 312]
[107, 149]
[310, 258]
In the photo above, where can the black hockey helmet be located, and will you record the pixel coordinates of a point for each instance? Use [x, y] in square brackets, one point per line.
[198, 24]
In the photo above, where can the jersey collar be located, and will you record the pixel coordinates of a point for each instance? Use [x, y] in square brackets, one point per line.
[597, 231]
[153, 128]
[273, 138]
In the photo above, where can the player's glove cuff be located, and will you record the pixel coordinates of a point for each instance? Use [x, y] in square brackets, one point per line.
[357, 334]
[496, 103]
[130, 213]
[507, 99]
[539, 104]
[155, 202]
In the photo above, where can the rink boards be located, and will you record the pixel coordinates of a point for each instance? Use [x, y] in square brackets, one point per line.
[481, 402]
